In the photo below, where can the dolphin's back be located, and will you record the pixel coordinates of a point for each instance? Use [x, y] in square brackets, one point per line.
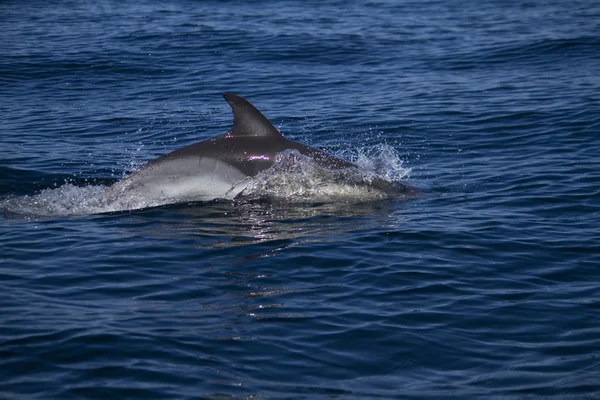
[251, 145]
[214, 167]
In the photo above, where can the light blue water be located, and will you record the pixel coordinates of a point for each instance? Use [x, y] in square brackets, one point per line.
[486, 288]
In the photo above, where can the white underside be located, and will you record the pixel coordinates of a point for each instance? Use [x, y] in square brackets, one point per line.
[188, 179]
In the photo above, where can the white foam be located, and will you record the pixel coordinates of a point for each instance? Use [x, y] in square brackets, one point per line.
[75, 200]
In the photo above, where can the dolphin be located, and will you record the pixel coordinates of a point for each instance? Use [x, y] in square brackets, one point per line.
[213, 169]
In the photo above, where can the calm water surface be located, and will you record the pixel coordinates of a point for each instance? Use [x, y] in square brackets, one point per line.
[488, 287]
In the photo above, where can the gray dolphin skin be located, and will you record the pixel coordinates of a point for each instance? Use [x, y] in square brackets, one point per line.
[213, 168]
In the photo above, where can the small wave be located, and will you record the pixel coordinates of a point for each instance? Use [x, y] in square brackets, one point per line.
[532, 52]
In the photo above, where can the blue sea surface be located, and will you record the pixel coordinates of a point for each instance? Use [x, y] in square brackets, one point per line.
[486, 286]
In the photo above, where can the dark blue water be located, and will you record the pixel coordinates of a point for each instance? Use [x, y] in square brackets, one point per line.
[488, 287]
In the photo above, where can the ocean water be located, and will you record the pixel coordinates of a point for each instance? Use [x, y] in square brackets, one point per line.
[486, 286]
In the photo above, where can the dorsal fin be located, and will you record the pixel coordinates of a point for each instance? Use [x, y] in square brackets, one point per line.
[247, 120]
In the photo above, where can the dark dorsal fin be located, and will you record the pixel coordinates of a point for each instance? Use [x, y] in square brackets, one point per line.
[247, 120]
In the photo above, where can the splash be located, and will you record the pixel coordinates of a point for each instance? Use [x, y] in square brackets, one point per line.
[71, 200]
[384, 161]
[297, 178]
[293, 178]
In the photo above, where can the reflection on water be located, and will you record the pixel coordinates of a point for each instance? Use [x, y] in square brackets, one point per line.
[247, 290]
[225, 224]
